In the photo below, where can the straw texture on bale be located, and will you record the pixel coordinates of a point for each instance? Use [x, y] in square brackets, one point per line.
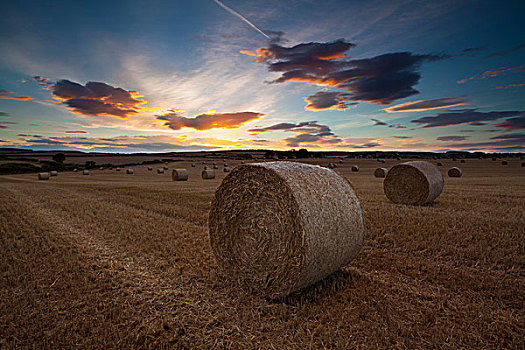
[355, 168]
[129, 171]
[179, 175]
[455, 172]
[85, 172]
[53, 173]
[208, 174]
[160, 171]
[280, 226]
[43, 176]
[414, 183]
[226, 169]
[380, 172]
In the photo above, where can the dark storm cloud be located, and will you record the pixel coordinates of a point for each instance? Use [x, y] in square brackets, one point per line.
[465, 116]
[513, 123]
[452, 138]
[381, 79]
[508, 51]
[175, 121]
[97, 99]
[323, 100]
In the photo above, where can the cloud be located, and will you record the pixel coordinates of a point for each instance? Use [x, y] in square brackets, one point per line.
[248, 53]
[473, 49]
[205, 121]
[324, 100]
[4, 94]
[3, 127]
[520, 137]
[44, 82]
[452, 138]
[401, 137]
[513, 123]
[509, 86]
[425, 105]
[77, 132]
[378, 122]
[397, 126]
[380, 79]
[4, 114]
[493, 73]
[98, 99]
[465, 116]
[508, 51]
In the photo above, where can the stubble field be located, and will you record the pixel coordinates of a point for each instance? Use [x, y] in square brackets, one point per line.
[112, 260]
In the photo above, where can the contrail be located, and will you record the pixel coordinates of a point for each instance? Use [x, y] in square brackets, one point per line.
[235, 13]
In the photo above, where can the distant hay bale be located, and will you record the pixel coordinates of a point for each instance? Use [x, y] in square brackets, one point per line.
[398, 158]
[355, 168]
[383, 161]
[43, 176]
[281, 226]
[455, 172]
[193, 165]
[494, 159]
[225, 165]
[118, 169]
[504, 162]
[53, 173]
[101, 168]
[334, 165]
[454, 159]
[129, 171]
[462, 161]
[85, 172]
[226, 169]
[75, 170]
[208, 174]
[380, 172]
[179, 175]
[523, 164]
[414, 183]
[160, 171]
[150, 168]
[203, 162]
[439, 164]
[166, 167]
[340, 161]
[215, 166]
[242, 161]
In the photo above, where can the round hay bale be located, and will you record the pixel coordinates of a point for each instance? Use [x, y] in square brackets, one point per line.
[179, 175]
[523, 164]
[129, 171]
[494, 159]
[85, 172]
[208, 174]
[53, 173]
[150, 168]
[414, 183]
[101, 168]
[355, 168]
[439, 164]
[454, 159]
[454, 172]
[380, 172]
[504, 162]
[166, 167]
[193, 165]
[118, 169]
[280, 226]
[206, 167]
[43, 176]
[462, 161]
[225, 165]
[340, 161]
[242, 161]
[226, 169]
[160, 171]
[75, 170]
[215, 166]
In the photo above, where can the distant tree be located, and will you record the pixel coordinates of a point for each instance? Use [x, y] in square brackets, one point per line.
[90, 164]
[59, 157]
[302, 153]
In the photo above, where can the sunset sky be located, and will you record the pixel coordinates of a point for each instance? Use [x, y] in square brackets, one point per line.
[138, 76]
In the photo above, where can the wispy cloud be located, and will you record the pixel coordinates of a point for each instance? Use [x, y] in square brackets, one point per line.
[325, 100]
[493, 73]
[513, 123]
[452, 138]
[465, 116]
[77, 132]
[508, 51]
[509, 86]
[425, 105]
[5, 94]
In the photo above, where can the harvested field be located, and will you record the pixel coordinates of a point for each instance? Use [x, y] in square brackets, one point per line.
[116, 261]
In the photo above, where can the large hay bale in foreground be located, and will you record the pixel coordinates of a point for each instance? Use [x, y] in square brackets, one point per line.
[129, 171]
[53, 173]
[43, 176]
[380, 172]
[160, 171]
[208, 174]
[455, 172]
[85, 172]
[414, 183]
[355, 168]
[179, 175]
[280, 226]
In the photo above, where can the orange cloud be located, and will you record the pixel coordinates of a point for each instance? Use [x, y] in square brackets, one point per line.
[493, 73]
[425, 105]
[77, 132]
[4, 95]
[248, 52]
[210, 120]
[509, 86]
[324, 100]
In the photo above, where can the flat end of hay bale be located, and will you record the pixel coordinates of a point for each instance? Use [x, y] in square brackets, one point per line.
[179, 175]
[208, 174]
[455, 172]
[413, 183]
[380, 172]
